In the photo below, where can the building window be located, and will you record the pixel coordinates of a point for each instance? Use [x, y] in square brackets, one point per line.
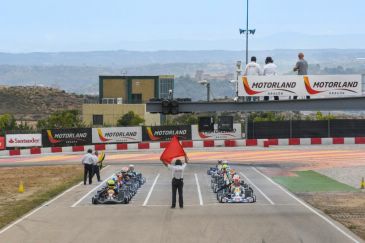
[136, 98]
[166, 84]
[98, 120]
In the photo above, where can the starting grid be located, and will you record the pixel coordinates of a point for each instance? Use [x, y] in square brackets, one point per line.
[156, 192]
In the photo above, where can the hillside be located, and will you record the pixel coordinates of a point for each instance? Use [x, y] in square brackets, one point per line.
[79, 71]
[29, 103]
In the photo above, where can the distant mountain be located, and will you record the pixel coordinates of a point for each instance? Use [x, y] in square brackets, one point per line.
[79, 71]
[125, 59]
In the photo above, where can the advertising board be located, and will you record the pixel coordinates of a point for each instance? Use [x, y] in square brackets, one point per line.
[66, 137]
[165, 133]
[216, 135]
[310, 85]
[2, 143]
[117, 135]
[23, 140]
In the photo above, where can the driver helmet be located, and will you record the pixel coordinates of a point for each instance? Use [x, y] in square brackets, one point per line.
[233, 172]
[110, 183]
[236, 179]
[131, 167]
[220, 161]
[124, 170]
[225, 162]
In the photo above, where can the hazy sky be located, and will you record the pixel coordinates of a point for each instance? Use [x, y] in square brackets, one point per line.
[48, 25]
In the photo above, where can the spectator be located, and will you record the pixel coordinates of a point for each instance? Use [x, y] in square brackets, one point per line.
[96, 167]
[302, 68]
[270, 70]
[88, 161]
[252, 69]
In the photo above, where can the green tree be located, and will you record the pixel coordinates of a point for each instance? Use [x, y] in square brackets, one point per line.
[130, 119]
[266, 116]
[321, 117]
[62, 119]
[184, 119]
[7, 123]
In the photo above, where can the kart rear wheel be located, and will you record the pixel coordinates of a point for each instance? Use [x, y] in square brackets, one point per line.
[94, 201]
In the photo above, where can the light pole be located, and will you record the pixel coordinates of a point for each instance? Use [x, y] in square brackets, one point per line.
[247, 32]
[206, 84]
[238, 71]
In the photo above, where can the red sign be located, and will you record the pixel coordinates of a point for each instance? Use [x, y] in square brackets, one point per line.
[2, 143]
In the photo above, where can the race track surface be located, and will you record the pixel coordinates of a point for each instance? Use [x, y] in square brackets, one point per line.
[277, 216]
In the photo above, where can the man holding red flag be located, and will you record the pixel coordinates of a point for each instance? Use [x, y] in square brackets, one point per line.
[172, 151]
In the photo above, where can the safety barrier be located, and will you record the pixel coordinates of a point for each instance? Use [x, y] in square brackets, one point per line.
[142, 146]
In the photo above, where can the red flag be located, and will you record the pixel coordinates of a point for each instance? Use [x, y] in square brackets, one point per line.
[172, 151]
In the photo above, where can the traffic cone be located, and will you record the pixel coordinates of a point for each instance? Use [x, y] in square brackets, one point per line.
[21, 187]
[362, 184]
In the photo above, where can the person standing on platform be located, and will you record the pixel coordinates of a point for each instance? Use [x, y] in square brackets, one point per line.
[302, 68]
[252, 69]
[270, 70]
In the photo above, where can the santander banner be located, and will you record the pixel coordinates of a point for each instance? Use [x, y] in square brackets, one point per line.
[117, 135]
[216, 135]
[23, 140]
[310, 85]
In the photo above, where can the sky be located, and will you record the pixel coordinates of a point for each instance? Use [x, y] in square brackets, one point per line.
[80, 25]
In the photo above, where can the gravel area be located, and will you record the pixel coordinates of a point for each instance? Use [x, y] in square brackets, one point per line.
[348, 175]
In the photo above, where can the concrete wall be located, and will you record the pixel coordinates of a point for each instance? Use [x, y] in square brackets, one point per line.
[112, 112]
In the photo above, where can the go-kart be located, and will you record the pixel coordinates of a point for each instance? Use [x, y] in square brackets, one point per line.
[242, 194]
[111, 196]
[212, 170]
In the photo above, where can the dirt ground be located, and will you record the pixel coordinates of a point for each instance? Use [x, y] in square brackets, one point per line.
[348, 208]
[40, 184]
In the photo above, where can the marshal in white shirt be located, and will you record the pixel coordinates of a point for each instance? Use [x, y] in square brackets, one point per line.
[177, 170]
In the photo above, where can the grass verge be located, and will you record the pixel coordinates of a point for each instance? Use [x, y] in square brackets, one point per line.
[311, 181]
[41, 184]
[341, 202]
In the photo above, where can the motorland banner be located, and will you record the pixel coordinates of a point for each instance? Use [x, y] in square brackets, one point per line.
[23, 140]
[117, 135]
[165, 133]
[310, 85]
[216, 135]
[66, 137]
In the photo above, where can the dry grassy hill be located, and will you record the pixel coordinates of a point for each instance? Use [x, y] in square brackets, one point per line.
[30, 103]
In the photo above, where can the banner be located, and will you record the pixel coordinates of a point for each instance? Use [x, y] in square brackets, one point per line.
[165, 133]
[2, 143]
[117, 135]
[216, 135]
[311, 85]
[66, 137]
[23, 140]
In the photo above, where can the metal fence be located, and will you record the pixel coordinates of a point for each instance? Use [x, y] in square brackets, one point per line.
[307, 129]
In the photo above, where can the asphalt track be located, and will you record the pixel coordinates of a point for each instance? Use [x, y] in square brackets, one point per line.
[277, 216]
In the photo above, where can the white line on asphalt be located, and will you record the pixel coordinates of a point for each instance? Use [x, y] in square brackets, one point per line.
[37, 209]
[199, 192]
[150, 192]
[307, 206]
[262, 193]
[98, 186]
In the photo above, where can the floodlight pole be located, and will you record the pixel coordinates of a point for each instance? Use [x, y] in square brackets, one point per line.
[208, 91]
[247, 34]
